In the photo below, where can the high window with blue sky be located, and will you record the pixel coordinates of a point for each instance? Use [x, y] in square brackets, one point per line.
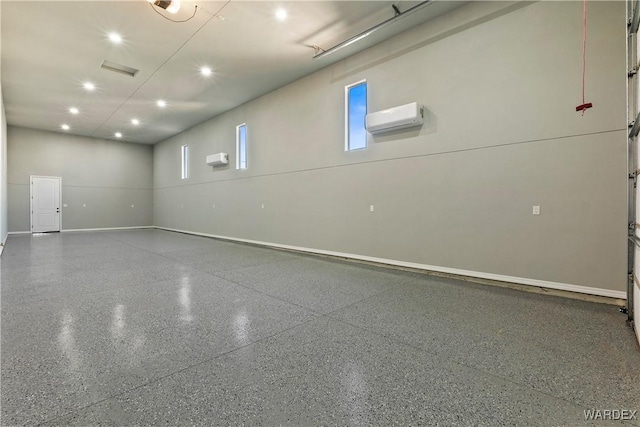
[241, 146]
[356, 111]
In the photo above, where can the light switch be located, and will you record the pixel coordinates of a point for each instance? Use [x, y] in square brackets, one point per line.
[65, 205]
[536, 210]
[132, 206]
[84, 205]
[263, 206]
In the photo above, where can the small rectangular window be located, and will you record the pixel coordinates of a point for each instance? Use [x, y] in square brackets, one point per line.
[241, 146]
[185, 161]
[355, 112]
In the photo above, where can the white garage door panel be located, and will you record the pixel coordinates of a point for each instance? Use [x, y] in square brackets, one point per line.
[633, 105]
[636, 310]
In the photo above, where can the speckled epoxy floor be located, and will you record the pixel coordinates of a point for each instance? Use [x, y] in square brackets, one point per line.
[148, 327]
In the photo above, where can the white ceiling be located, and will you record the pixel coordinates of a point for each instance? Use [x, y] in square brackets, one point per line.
[49, 48]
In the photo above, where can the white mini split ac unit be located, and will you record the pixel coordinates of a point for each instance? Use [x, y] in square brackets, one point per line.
[395, 118]
[217, 159]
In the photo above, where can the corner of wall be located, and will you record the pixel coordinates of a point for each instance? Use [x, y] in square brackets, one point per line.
[3, 175]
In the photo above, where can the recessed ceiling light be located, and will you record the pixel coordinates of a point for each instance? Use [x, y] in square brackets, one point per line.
[161, 103]
[281, 14]
[65, 127]
[115, 38]
[89, 86]
[174, 6]
[206, 71]
[135, 122]
[117, 135]
[74, 110]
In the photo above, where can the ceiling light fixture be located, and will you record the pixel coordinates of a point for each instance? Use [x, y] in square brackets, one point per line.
[206, 71]
[174, 6]
[74, 110]
[135, 122]
[89, 86]
[118, 135]
[281, 14]
[115, 38]
[118, 68]
[65, 127]
[161, 103]
[171, 6]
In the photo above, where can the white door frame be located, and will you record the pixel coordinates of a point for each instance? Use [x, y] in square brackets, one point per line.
[31, 199]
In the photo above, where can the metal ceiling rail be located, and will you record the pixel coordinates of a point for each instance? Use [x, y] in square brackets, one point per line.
[373, 29]
[635, 128]
[635, 20]
[635, 240]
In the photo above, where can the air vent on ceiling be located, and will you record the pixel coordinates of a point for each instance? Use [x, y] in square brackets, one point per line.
[118, 68]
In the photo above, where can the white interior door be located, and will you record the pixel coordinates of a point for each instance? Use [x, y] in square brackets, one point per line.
[45, 203]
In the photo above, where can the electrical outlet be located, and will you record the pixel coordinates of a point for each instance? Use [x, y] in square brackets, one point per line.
[65, 205]
[84, 205]
[133, 206]
[371, 208]
[263, 206]
[536, 210]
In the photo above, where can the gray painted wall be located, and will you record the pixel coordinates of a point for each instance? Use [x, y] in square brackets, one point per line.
[107, 176]
[3, 172]
[500, 83]
[3, 165]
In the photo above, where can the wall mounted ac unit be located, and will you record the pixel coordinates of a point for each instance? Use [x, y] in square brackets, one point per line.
[217, 159]
[401, 117]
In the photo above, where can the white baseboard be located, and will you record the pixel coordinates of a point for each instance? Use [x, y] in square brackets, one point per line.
[90, 229]
[490, 276]
[70, 230]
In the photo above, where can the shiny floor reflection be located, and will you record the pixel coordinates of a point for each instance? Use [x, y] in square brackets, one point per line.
[147, 327]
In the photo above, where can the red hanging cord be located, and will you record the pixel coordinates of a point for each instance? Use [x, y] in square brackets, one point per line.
[583, 107]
